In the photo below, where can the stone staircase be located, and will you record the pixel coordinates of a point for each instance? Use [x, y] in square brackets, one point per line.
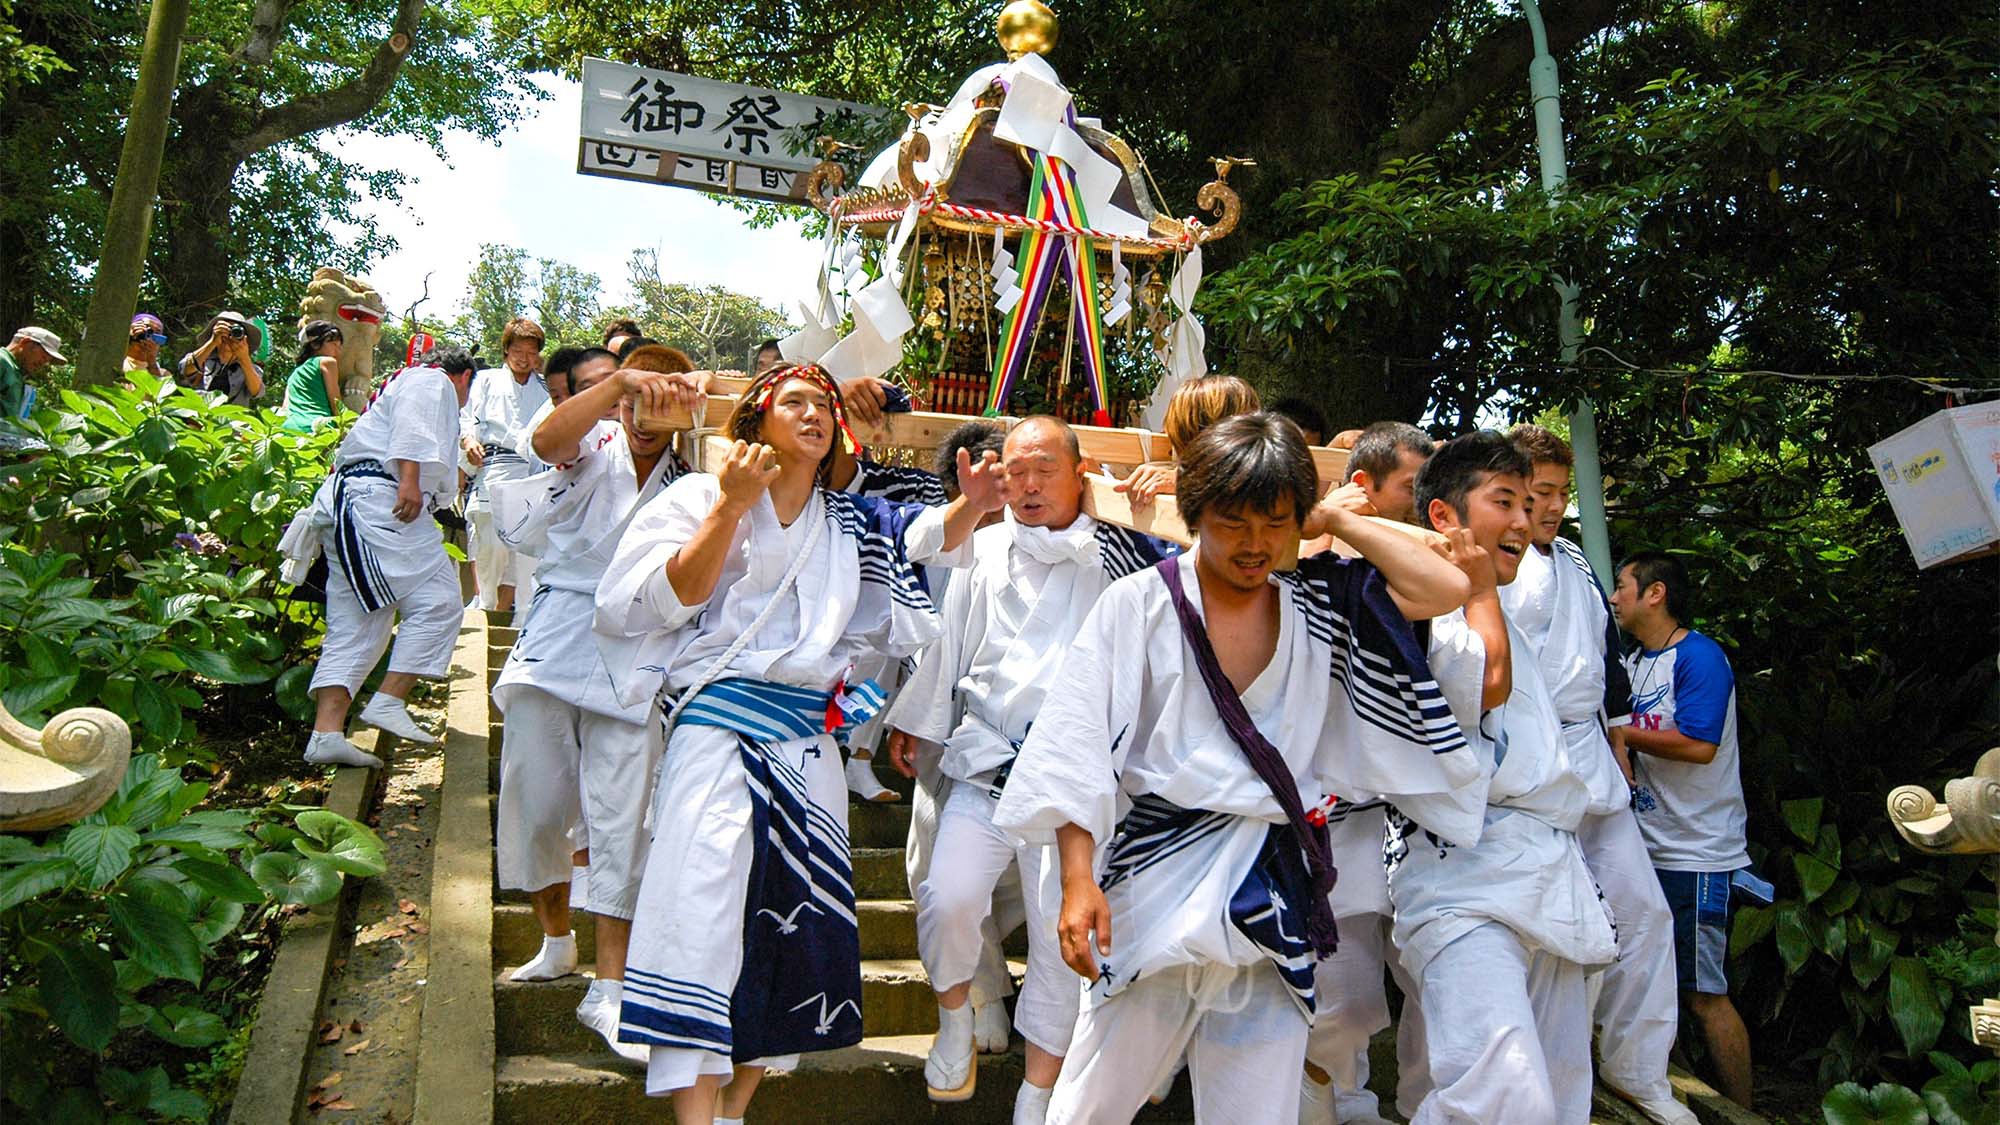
[548, 1067]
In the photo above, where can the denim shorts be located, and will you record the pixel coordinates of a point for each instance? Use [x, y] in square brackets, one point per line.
[1700, 903]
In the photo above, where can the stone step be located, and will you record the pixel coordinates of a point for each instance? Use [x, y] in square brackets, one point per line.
[878, 873]
[539, 1017]
[878, 1080]
[873, 825]
[888, 930]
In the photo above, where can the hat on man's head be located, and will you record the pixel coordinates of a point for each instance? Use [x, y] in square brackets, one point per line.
[49, 342]
[256, 331]
[146, 324]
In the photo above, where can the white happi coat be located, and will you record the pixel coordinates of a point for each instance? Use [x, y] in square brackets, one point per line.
[1526, 870]
[414, 419]
[573, 517]
[1555, 603]
[1007, 620]
[496, 414]
[1134, 721]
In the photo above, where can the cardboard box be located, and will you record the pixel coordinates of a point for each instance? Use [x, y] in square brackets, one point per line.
[1943, 479]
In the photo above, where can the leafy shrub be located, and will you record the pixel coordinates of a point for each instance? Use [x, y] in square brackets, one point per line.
[138, 557]
[110, 926]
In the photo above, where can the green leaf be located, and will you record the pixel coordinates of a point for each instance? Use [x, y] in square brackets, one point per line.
[178, 1103]
[1913, 1005]
[76, 988]
[295, 879]
[224, 881]
[1869, 958]
[187, 1027]
[158, 716]
[1802, 817]
[151, 919]
[1794, 943]
[101, 852]
[215, 918]
[32, 880]
[291, 690]
[206, 835]
[350, 846]
[36, 696]
[1750, 927]
[1816, 876]
[223, 667]
[1886, 1104]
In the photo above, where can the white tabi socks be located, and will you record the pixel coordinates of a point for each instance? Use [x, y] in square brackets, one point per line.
[990, 1029]
[951, 1069]
[331, 748]
[1031, 1104]
[599, 1013]
[579, 891]
[386, 712]
[862, 782]
[556, 958]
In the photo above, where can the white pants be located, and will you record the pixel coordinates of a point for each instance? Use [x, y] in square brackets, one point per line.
[355, 637]
[990, 981]
[1511, 1041]
[955, 905]
[1636, 1007]
[1352, 1007]
[561, 768]
[495, 565]
[1241, 1031]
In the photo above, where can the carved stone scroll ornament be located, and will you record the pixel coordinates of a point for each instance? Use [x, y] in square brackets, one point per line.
[1968, 824]
[63, 772]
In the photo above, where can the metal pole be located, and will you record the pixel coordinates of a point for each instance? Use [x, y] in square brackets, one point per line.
[122, 258]
[1544, 86]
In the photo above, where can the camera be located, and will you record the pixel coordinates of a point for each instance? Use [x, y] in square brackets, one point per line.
[237, 331]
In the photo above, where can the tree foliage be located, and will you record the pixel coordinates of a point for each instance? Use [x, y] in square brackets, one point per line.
[252, 195]
[714, 326]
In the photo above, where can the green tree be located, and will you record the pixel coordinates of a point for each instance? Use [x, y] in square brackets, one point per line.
[715, 327]
[252, 196]
[506, 283]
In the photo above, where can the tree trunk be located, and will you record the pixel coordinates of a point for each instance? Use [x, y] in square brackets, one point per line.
[201, 174]
[115, 290]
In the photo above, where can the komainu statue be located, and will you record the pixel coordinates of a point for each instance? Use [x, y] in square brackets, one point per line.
[62, 772]
[352, 303]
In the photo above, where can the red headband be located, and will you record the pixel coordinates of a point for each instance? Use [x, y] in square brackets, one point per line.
[817, 376]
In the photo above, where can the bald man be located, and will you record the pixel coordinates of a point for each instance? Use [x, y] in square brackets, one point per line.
[1007, 620]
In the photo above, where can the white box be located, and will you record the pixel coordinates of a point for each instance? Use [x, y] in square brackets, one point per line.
[1943, 479]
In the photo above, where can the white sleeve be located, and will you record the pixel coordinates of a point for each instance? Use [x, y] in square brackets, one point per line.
[1068, 769]
[923, 542]
[637, 620]
[424, 428]
[1458, 660]
[924, 707]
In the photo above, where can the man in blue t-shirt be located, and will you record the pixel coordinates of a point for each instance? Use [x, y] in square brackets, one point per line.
[1687, 792]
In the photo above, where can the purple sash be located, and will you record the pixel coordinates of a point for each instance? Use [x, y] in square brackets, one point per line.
[1265, 759]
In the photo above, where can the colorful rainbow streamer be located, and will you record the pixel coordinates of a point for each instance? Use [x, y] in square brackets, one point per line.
[1052, 195]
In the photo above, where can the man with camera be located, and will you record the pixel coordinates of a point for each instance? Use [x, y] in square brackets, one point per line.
[225, 362]
[31, 351]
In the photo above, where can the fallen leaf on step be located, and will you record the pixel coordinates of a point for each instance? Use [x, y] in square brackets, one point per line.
[399, 964]
[343, 1103]
[407, 999]
[354, 1026]
[406, 906]
[356, 1048]
[330, 1080]
[419, 928]
[331, 1032]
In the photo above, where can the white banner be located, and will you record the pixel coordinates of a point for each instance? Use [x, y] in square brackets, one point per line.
[719, 136]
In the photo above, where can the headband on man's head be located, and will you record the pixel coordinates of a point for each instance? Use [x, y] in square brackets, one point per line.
[816, 375]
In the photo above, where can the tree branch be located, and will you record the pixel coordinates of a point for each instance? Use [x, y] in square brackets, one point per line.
[1499, 62]
[343, 103]
[267, 30]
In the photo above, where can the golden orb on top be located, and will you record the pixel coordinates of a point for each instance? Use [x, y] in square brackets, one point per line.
[1026, 27]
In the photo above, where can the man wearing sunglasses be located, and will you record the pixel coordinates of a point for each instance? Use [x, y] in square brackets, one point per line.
[142, 348]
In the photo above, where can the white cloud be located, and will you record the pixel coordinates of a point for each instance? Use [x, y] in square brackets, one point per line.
[525, 192]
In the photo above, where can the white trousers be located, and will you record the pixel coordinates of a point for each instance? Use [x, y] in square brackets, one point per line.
[1636, 1006]
[431, 614]
[1352, 1007]
[1512, 1042]
[955, 907]
[562, 769]
[990, 981]
[495, 565]
[1242, 1033]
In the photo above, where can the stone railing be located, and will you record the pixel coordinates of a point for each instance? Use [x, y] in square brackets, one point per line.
[1967, 824]
[63, 772]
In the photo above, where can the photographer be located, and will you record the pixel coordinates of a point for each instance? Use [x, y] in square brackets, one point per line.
[225, 363]
[142, 347]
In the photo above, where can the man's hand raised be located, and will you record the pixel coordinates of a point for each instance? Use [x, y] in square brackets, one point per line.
[748, 469]
[981, 482]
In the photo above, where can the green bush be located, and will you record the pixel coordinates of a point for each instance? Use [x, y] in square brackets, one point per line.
[139, 555]
[110, 928]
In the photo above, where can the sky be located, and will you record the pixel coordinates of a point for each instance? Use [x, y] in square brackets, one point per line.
[525, 191]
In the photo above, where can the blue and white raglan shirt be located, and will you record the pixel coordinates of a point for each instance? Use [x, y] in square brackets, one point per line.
[1692, 816]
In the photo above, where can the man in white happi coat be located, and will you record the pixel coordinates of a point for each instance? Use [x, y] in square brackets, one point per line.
[1353, 1004]
[744, 598]
[1007, 620]
[574, 753]
[1499, 934]
[385, 556]
[1198, 702]
[1558, 605]
[492, 427]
